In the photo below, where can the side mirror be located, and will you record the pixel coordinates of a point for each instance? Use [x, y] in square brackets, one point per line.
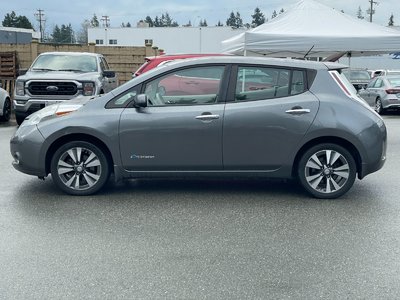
[109, 74]
[140, 100]
[22, 72]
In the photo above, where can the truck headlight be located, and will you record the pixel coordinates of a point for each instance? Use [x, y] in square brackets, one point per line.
[88, 89]
[20, 88]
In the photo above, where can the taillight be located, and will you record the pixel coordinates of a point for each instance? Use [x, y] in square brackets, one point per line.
[393, 91]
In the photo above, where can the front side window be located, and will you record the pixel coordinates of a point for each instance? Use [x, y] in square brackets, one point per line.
[198, 85]
[260, 83]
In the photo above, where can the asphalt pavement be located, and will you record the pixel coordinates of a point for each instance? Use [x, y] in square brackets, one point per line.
[200, 239]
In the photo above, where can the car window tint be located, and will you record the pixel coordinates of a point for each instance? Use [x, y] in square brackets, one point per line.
[260, 83]
[198, 85]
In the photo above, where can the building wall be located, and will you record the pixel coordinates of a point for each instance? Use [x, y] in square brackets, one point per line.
[170, 39]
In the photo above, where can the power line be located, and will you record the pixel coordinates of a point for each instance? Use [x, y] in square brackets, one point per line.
[40, 18]
[106, 21]
[371, 10]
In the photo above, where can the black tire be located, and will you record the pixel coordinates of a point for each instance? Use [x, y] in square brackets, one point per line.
[322, 171]
[378, 106]
[19, 118]
[80, 168]
[6, 111]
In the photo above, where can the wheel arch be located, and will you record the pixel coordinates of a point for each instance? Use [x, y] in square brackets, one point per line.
[77, 137]
[332, 140]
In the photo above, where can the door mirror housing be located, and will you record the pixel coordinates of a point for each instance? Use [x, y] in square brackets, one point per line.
[109, 74]
[140, 100]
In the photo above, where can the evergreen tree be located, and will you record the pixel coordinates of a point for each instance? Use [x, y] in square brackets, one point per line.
[220, 24]
[12, 20]
[203, 23]
[128, 24]
[281, 11]
[234, 21]
[231, 21]
[258, 18]
[94, 22]
[359, 13]
[391, 20]
[64, 34]
[274, 14]
[149, 21]
[239, 21]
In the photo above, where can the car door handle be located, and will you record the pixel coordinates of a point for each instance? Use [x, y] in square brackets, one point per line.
[207, 117]
[298, 111]
[191, 82]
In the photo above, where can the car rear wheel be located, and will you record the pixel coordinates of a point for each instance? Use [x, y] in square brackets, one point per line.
[6, 110]
[327, 171]
[80, 168]
[378, 106]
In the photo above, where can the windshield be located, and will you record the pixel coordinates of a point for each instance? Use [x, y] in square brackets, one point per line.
[357, 75]
[60, 62]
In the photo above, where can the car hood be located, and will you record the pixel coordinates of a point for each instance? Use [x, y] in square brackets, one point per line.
[56, 75]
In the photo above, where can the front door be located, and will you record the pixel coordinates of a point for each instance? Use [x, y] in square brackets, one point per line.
[179, 130]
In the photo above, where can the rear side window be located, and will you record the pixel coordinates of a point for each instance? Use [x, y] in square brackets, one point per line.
[260, 83]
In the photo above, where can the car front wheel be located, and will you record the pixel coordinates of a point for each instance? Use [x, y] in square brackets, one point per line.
[80, 168]
[327, 171]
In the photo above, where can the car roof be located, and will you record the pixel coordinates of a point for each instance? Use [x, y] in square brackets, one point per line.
[71, 53]
[284, 62]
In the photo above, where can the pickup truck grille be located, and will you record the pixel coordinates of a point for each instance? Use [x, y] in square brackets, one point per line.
[52, 88]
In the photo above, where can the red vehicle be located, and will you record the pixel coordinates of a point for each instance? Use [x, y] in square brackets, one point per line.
[154, 61]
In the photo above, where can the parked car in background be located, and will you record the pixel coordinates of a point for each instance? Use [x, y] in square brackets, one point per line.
[359, 78]
[5, 105]
[59, 76]
[382, 93]
[302, 127]
[154, 61]
[385, 72]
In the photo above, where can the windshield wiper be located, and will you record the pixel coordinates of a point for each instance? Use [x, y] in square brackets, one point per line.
[70, 70]
[42, 69]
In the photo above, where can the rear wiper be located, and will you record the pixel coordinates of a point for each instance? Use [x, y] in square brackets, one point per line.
[42, 69]
[70, 70]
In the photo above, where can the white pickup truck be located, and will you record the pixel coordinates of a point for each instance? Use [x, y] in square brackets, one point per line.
[59, 76]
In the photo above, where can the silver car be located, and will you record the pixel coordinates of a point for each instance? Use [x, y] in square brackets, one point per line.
[212, 117]
[383, 92]
[5, 105]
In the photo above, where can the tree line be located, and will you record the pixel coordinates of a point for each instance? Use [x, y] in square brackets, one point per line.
[65, 33]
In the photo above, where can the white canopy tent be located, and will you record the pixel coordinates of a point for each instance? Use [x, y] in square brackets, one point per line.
[314, 30]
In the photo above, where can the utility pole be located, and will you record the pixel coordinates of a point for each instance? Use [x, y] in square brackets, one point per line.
[106, 21]
[40, 18]
[371, 10]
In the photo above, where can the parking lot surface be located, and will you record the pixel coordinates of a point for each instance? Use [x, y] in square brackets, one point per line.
[196, 239]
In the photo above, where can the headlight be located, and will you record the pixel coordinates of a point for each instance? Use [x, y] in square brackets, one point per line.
[20, 88]
[48, 111]
[88, 88]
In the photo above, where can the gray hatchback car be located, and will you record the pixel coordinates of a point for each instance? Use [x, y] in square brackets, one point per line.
[213, 117]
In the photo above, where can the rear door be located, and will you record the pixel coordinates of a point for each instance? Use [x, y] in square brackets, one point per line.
[263, 126]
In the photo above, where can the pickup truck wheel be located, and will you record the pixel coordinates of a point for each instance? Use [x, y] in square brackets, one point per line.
[80, 168]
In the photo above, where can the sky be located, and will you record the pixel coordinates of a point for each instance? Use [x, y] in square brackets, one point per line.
[182, 11]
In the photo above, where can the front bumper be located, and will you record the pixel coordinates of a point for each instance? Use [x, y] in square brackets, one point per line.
[26, 149]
